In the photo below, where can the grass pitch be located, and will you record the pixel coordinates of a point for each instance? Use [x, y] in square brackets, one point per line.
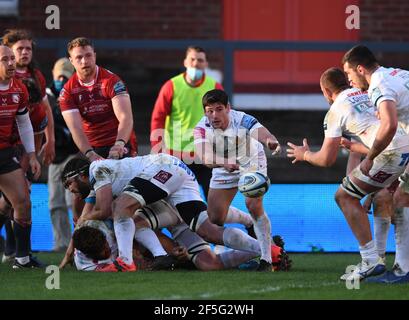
[314, 276]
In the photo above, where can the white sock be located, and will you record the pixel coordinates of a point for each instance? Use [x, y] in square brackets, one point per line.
[235, 215]
[148, 238]
[381, 230]
[124, 233]
[23, 260]
[233, 258]
[262, 229]
[369, 252]
[237, 239]
[401, 219]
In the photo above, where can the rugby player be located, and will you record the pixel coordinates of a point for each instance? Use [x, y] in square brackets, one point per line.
[231, 142]
[137, 182]
[14, 102]
[388, 91]
[352, 114]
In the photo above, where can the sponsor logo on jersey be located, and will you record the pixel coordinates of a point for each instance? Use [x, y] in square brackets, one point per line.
[375, 95]
[162, 176]
[15, 98]
[248, 121]
[119, 87]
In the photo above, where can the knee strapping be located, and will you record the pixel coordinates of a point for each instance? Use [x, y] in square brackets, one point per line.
[352, 189]
[198, 221]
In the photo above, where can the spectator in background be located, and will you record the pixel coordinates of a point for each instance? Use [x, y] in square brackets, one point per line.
[178, 109]
[59, 199]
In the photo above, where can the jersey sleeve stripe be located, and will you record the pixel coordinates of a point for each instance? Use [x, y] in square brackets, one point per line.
[21, 112]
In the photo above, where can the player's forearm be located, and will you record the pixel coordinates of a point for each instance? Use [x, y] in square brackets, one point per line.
[319, 159]
[81, 141]
[357, 147]
[264, 136]
[25, 130]
[97, 214]
[49, 130]
[125, 128]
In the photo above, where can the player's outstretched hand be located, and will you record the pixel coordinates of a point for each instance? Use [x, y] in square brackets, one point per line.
[274, 146]
[297, 152]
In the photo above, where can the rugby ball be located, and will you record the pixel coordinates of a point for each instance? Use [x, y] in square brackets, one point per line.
[253, 184]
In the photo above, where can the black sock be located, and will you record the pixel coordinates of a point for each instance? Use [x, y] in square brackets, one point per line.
[23, 239]
[10, 247]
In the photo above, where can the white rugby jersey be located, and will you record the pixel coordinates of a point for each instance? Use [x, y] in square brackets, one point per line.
[82, 262]
[235, 141]
[391, 84]
[352, 114]
[119, 172]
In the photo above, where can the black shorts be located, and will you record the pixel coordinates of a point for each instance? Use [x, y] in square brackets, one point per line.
[139, 187]
[8, 160]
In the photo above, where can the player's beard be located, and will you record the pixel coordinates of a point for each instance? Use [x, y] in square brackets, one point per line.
[89, 71]
[83, 189]
[362, 83]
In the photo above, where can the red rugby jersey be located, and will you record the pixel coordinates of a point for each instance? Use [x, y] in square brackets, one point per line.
[94, 105]
[12, 101]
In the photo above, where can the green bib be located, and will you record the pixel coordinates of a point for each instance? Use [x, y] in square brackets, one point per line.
[186, 112]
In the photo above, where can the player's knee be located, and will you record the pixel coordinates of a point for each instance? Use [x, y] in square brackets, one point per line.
[141, 221]
[400, 199]
[207, 260]
[23, 221]
[340, 196]
[117, 209]
[254, 205]
[22, 208]
[382, 197]
[216, 219]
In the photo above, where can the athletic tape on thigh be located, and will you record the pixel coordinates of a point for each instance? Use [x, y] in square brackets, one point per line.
[187, 238]
[149, 216]
[198, 220]
[353, 190]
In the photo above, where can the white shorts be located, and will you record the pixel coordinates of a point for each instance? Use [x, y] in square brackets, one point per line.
[222, 179]
[174, 177]
[387, 167]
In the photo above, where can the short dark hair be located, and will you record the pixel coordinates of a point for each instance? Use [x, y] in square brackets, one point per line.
[334, 79]
[79, 42]
[360, 55]
[90, 241]
[214, 96]
[75, 166]
[195, 48]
